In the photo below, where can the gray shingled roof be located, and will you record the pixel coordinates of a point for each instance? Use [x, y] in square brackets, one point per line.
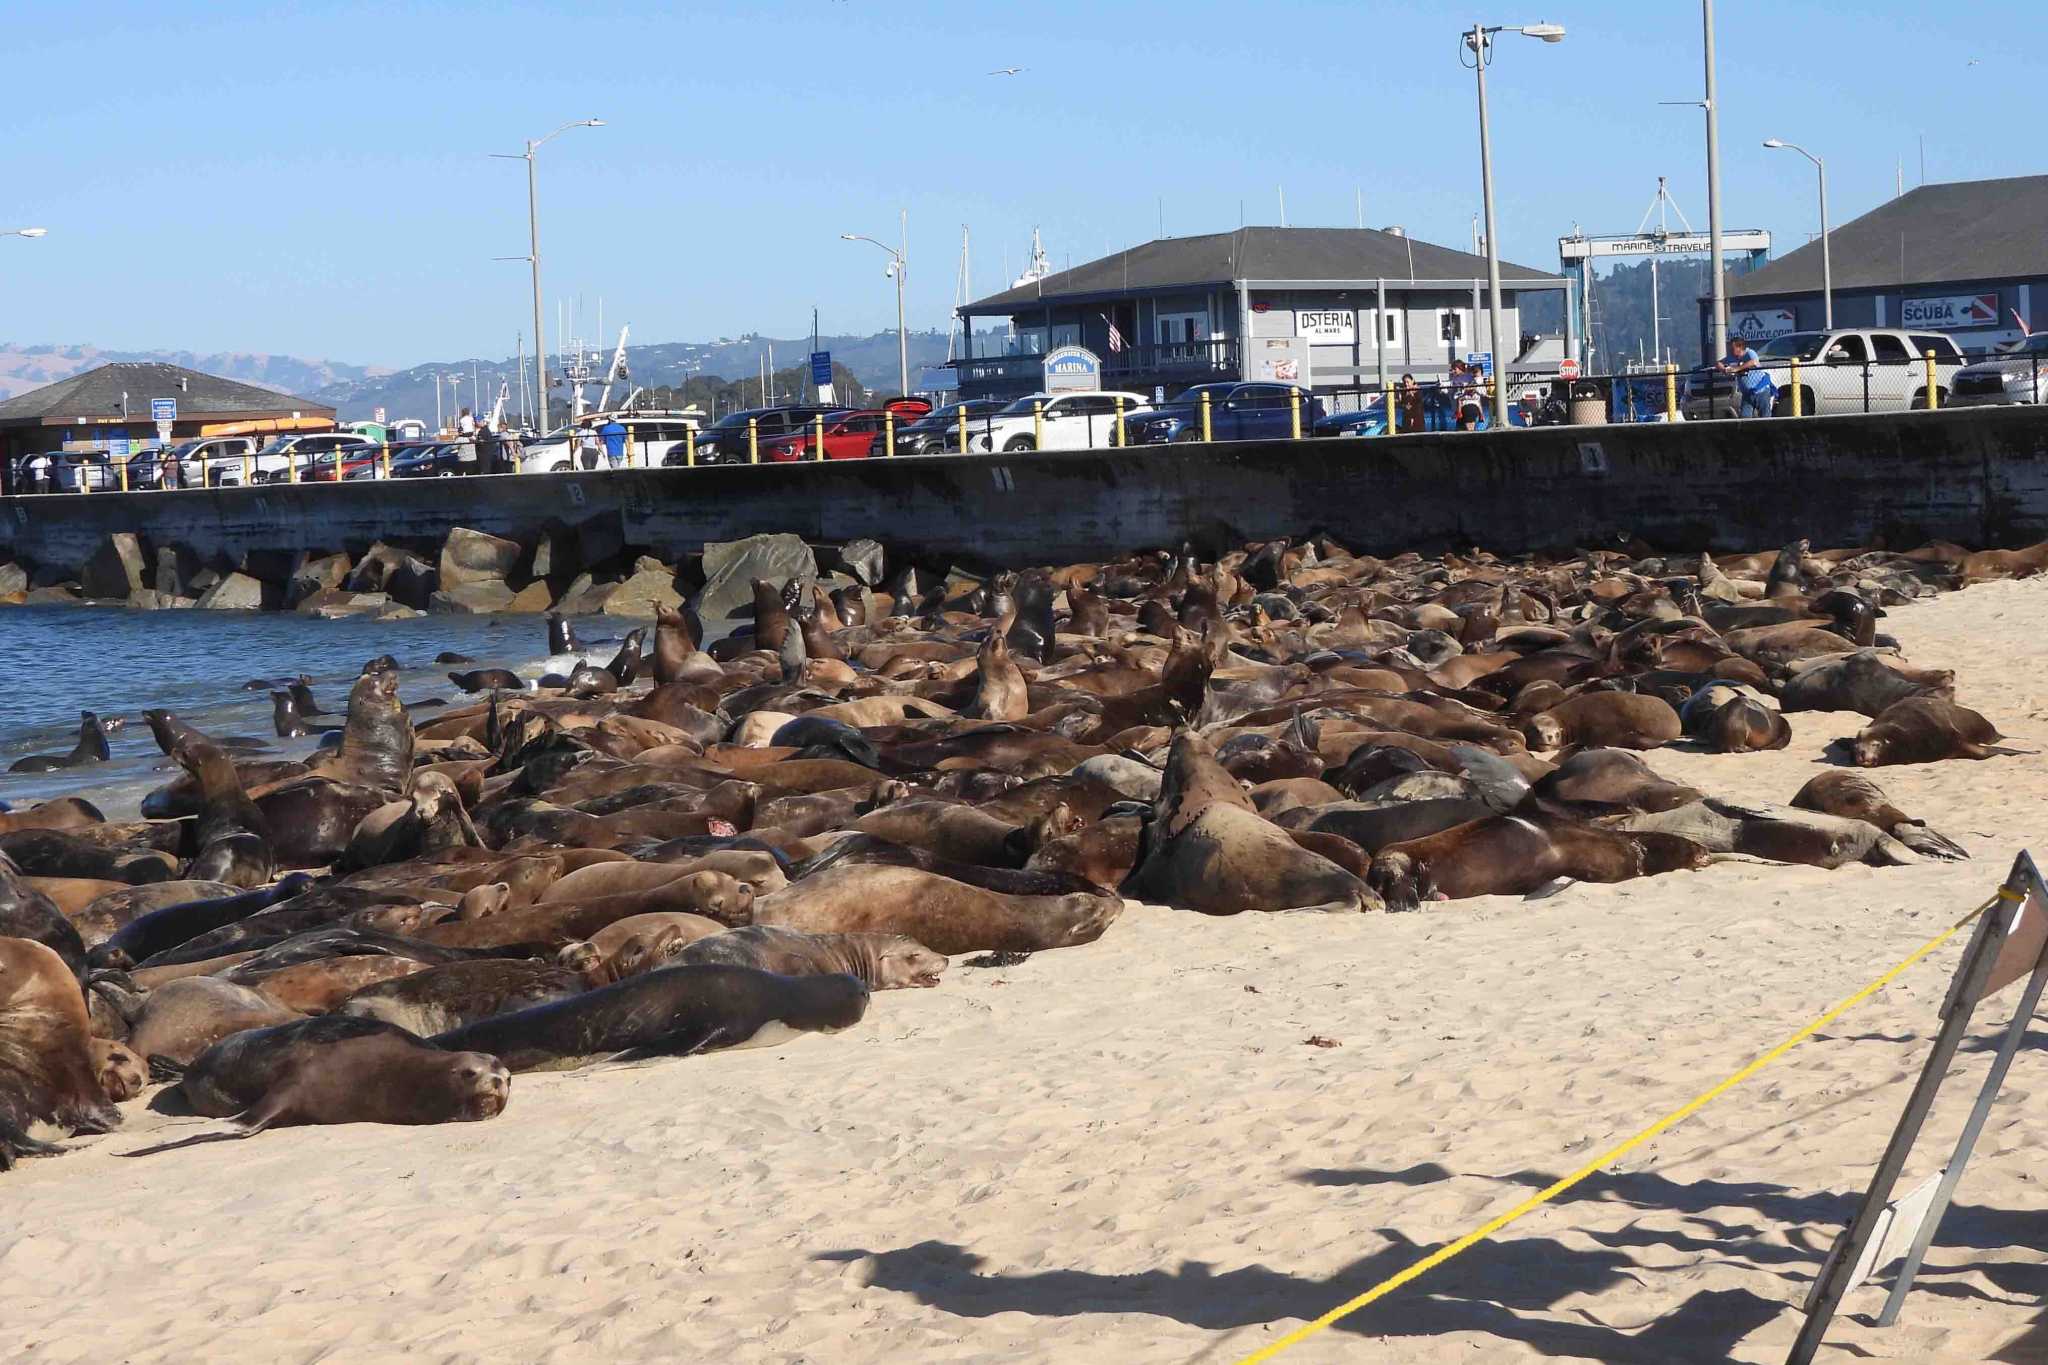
[1259, 253]
[97, 393]
[1971, 230]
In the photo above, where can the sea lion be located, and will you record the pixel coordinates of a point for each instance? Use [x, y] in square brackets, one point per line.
[122, 1074]
[1853, 796]
[625, 665]
[1207, 849]
[377, 743]
[47, 1069]
[490, 680]
[26, 913]
[91, 748]
[290, 722]
[1517, 854]
[1374, 826]
[676, 1011]
[885, 962]
[318, 987]
[66, 812]
[339, 1069]
[1746, 726]
[946, 915]
[705, 892]
[453, 994]
[1601, 782]
[1618, 720]
[1924, 729]
[181, 1019]
[640, 943]
[1860, 682]
[432, 819]
[63, 853]
[161, 927]
[673, 644]
[1778, 833]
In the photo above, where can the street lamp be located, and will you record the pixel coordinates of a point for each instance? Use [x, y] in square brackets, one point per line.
[1479, 41]
[1827, 269]
[26, 232]
[540, 349]
[899, 266]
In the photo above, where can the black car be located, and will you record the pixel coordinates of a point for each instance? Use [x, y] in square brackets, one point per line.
[938, 432]
[433, 460]
[725, 441]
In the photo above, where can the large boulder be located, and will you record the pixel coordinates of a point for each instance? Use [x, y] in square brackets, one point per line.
[534, 597]
[317, 574]
[863, 559]
[476, 557]
[117, 570]
[237, 592]
[56, 595]
[387, 568]
[471, 599]
[175, 568]
[13, 579]
[730, 566]
[653, 584]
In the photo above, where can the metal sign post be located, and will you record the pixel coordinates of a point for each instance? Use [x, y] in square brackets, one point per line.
[2010, 943]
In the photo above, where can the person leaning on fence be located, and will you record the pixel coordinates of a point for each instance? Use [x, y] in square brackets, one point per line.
[1752, 381]
[1412, 415]
[1465, 398]
[613, 434]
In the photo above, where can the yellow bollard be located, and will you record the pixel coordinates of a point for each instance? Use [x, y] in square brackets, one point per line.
[1671, 393]
[384, 458]
[689, 447]
[753, 441]
[338, 461]
[248, 476]
[1207, 434]
[1797, 402]
[1119, 432]
[1037, 425]
[291, 467]
[1933, 394]
[963, 428]
[1294, 413]
[124, 474]
[889, 432]
[818, 427]
[1393, 421]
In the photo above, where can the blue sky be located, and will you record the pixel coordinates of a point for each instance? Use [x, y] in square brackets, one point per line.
[314, 179]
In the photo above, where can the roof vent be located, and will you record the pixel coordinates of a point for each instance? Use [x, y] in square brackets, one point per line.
[1395, 230]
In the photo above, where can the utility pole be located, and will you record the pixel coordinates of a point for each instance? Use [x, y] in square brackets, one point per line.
[1719, 326]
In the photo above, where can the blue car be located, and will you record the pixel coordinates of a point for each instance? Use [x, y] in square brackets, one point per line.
[1237, 412]
[434, 460]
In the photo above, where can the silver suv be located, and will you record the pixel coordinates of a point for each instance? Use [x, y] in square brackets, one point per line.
[2018, 376]
[1842, 371]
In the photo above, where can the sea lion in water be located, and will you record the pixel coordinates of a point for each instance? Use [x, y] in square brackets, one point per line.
[885, 962]
[290, 722]
[1208, 849]
[673, 1012]
[48, 1072]
[1924, 730]
[457, 993]
[181, 1019]
[1618, 720]
[1516, 854]
[488, 680]
[1852, 796]
[91, 748]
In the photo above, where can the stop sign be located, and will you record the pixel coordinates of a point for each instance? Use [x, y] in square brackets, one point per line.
[1567, 369]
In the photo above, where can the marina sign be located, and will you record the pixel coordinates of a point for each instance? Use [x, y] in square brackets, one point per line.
[1950, 311]
[1070, 369]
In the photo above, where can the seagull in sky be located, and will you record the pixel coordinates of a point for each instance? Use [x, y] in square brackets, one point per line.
[1007, 71]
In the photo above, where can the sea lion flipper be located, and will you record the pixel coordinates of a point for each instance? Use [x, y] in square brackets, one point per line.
[1915, 834]
[16, 1144]
[165, 1069]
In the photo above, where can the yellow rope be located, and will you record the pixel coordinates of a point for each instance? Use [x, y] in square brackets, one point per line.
[1616, 1152]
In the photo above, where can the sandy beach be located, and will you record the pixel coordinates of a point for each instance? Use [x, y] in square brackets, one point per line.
[1133, 1152]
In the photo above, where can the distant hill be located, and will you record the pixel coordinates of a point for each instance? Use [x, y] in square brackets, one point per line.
[24, 367]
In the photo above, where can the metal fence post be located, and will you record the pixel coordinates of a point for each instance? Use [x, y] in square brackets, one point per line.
[1294, 414]
[1798, 403]
[1866, 386]
[1207, 434]
[1933, 394]
[753, 440]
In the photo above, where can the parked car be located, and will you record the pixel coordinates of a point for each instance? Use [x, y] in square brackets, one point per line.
[433, 460]
[275, 461]
[1842, 371]
[217, 460]
[1237, 412]
[725, 441]
[1370, 419]
[2018, 376]
[1069, 421]
[938, 431]
[651, 438]
[849, 435]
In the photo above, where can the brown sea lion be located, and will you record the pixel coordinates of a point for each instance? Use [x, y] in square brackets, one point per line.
[704, 892]
[122, 1074]
[962, 833]
[1860, 682]
[946, 915]
[1781, 834]
[1599, 782]
[1746, 726]
[66, 812]
[48, 1072]
[640, 943]
[676, 1011]
[377, 743]
[181, 1019]
[1853, 796]
[1515, 854]
[1207, 849]
[457, 993]
[1617, 720]
[318, 987]
[885, 962]
[1924, 730]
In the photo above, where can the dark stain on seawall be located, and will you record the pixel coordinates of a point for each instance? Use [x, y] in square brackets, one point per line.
[1977, 476]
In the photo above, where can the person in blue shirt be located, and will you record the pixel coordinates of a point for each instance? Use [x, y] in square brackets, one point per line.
[1752, 381]
[613, 433]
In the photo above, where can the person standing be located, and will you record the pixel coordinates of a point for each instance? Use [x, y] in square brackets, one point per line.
[39, 473]
[465, 425]
[613, 434]
[487, 448]
[1752, 381]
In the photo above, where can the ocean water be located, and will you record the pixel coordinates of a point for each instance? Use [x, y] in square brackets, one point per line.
[58, 661]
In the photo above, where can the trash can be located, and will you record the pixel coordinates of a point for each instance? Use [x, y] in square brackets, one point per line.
[1588, 403]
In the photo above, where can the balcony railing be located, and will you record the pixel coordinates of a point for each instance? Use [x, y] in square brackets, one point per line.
[1189, 362]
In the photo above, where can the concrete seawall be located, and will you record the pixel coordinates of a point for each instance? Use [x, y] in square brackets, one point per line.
[1978, 477]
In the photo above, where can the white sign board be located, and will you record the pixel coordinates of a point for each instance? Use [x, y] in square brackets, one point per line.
[1332, 325]
[1762, 324]
[1280, 360]
[1950, 311]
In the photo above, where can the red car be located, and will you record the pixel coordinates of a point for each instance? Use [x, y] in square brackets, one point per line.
[848, 436]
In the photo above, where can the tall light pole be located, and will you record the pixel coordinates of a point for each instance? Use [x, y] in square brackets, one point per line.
[1827, 268]
[899, 266]
[1715, 267]
[540, 349]
[1479, 41]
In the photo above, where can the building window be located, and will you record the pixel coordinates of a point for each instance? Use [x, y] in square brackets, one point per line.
[1380, 329]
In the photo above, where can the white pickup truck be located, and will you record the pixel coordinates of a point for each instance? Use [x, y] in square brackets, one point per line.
[1842, 371]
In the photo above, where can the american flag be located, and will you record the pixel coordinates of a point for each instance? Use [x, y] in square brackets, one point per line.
[1116, 338]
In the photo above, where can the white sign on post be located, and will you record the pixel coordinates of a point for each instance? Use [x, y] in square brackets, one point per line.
[1336, 324]
[1950, 311]
[1763, 324]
